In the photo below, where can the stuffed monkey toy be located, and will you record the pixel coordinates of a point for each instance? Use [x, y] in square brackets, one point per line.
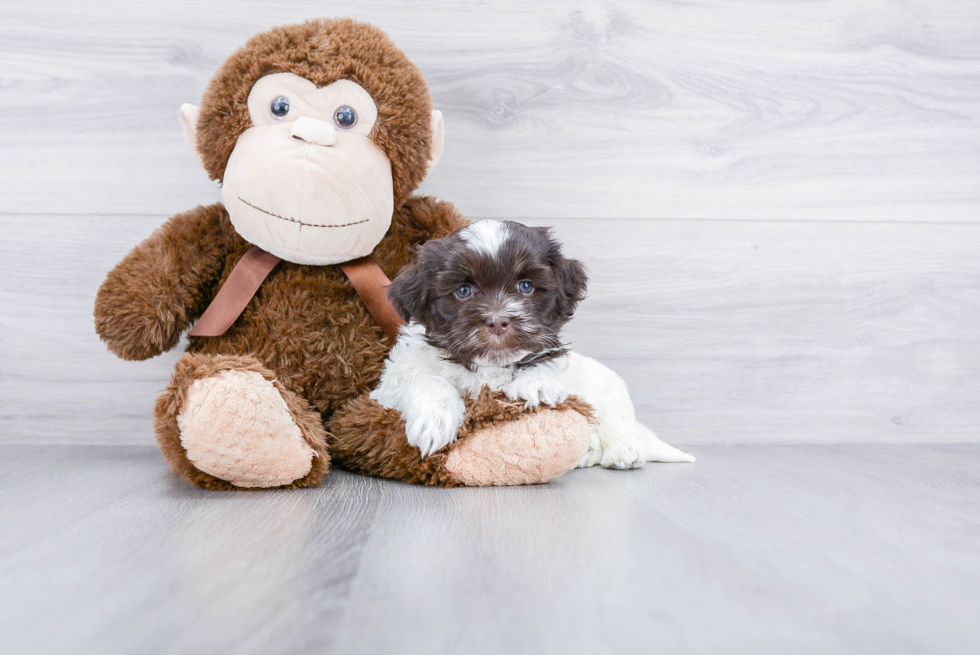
[318, 133]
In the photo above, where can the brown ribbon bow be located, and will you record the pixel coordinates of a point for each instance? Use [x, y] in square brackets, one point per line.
[251, 270]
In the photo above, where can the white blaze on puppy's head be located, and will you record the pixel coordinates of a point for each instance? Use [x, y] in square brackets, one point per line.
[487, 236]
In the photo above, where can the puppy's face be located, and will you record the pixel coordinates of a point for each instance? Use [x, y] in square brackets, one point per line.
[491, 294]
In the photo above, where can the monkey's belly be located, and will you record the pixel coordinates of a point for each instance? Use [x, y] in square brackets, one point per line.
[313, 332]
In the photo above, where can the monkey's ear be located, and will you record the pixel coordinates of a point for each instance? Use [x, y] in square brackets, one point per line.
[188, 121]
[438, 139]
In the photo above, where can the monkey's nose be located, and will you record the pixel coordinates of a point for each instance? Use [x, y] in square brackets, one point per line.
[319, 133]
[498, 324]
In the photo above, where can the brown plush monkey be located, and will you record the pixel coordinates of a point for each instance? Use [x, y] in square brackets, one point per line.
[319, 134]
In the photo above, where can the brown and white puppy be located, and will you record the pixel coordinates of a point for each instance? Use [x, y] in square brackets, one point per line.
[485, 306]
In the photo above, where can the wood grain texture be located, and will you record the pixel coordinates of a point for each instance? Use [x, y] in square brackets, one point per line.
[726, 331]
[244, 563]
[754, 549]
[824, 110]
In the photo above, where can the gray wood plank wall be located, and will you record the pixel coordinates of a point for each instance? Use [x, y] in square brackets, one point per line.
[779, 201]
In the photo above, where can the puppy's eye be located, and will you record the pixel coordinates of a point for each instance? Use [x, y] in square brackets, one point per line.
[525, 287]
[465, 291]
[345, 117]
[279, 107]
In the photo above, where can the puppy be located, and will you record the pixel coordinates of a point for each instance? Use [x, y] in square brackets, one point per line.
[485, 306]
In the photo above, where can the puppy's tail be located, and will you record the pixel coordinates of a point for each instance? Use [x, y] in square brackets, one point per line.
[657, 450]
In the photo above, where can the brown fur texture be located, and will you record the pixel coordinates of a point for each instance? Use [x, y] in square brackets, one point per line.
[370, 439]
[163, 284]
[324, 51]
[193, 367]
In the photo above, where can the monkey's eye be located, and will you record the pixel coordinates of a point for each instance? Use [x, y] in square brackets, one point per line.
[464, 291]
[345, 117]
[525, 287]
[280, 107]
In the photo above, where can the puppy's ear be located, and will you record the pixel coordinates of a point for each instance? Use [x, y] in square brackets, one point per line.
[409, 291]
[573, 280]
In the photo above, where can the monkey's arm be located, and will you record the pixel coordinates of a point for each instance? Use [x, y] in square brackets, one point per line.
[163, 284]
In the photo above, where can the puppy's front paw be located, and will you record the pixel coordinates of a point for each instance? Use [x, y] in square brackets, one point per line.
[434, 425]
[536, 390]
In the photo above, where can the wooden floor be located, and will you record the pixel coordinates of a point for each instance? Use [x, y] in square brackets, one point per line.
[754, 549]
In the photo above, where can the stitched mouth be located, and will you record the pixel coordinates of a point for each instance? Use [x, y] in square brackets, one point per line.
[293, 220]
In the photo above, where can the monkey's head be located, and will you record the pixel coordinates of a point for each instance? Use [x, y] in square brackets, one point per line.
[316, 132]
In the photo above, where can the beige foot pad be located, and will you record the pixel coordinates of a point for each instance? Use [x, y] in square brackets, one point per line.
[534, 448]
[236, 426]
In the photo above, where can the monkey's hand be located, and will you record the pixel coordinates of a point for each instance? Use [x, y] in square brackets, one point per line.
[154, 293]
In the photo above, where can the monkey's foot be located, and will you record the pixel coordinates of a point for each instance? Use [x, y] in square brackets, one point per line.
[501, 442]
[236, 426]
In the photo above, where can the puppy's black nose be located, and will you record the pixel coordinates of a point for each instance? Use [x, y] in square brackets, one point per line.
[498, 324]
